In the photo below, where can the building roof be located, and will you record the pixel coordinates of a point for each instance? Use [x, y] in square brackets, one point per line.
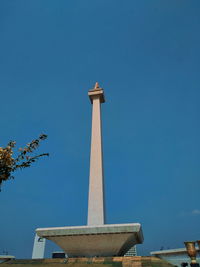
[6, 257]
[171, 251]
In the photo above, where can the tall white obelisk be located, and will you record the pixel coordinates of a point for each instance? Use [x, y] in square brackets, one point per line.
[95, 239]
[96, 181]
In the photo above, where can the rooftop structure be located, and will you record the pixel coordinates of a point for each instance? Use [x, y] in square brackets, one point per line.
[4, 258]
[175, 256]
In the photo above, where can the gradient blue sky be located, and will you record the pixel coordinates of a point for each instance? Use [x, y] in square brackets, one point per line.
[146, 56]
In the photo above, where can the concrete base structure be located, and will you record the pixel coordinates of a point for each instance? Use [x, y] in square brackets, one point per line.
[88, 241]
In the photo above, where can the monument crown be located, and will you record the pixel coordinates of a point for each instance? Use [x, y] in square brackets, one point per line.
[96, 92]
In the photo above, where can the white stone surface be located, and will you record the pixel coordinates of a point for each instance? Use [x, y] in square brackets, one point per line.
[38, 247]
[88, 241]
[96, 181]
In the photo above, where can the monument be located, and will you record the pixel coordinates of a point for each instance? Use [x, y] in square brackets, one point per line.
[96, 238]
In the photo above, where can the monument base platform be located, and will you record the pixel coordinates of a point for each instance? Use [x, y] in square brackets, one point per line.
[88, 241]
[91, 262]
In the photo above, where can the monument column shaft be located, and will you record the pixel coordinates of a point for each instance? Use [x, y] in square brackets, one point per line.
[96, 186]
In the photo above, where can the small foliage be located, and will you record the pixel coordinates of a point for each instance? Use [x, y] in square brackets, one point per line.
[8, 164]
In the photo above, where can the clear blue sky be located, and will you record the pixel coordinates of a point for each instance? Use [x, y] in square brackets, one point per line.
[146, 56]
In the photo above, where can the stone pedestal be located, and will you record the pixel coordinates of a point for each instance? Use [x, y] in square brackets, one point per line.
[89, 241]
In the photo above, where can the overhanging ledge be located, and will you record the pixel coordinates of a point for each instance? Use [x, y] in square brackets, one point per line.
[98, 240]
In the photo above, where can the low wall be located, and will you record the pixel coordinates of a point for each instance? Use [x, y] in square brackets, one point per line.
[90, 262]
